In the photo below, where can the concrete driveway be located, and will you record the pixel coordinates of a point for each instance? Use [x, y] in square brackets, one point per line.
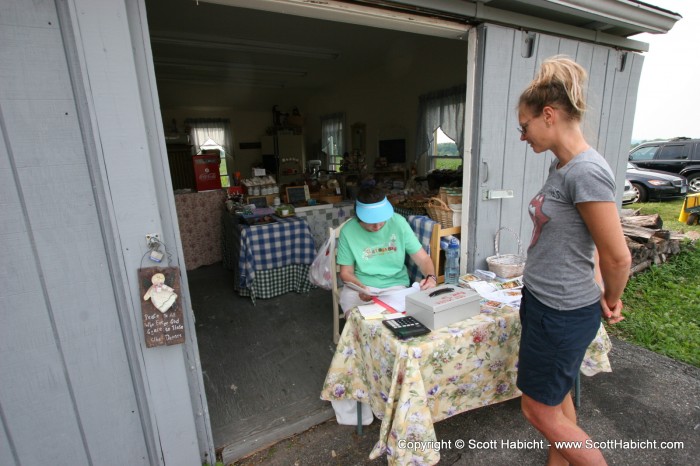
[648, 399]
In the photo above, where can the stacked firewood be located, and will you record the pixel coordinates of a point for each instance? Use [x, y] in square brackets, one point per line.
[648, 242]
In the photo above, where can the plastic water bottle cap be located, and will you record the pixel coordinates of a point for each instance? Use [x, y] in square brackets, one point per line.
[454, 244]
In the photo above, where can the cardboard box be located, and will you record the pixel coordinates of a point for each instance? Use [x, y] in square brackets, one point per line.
[436, 308]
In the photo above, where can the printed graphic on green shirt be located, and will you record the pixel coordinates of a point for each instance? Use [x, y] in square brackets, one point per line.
[382, 250]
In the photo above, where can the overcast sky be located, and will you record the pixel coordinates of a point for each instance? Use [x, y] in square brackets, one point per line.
[668, 102]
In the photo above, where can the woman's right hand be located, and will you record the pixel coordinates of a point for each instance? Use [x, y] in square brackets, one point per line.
[365, 297]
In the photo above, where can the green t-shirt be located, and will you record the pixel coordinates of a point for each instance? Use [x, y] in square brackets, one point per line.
[379, 257]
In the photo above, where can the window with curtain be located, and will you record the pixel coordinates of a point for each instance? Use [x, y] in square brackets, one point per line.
[444, 152]
[332, 141]
[214, 134]
[440, 129]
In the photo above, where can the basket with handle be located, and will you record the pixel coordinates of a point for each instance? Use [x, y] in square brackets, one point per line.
[439, 211]
[506, 265]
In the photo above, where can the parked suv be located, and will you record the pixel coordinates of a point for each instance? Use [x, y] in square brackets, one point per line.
[677, 155]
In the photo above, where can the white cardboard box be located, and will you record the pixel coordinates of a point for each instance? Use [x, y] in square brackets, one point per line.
[436, 308]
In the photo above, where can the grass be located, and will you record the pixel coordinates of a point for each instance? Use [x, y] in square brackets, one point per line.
[662, 304]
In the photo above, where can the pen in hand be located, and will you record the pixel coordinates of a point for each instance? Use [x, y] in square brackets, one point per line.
[428, 282]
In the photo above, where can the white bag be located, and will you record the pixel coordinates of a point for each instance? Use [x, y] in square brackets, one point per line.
[320, 270]
[346, 412]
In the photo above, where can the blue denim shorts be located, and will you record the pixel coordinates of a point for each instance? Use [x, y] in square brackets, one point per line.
[552, 346]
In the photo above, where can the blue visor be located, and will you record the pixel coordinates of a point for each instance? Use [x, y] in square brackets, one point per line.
[374, 213]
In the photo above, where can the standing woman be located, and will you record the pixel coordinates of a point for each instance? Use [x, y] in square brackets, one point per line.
[578, 260]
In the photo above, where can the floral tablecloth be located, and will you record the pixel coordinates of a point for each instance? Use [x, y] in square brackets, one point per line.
[414, 383]
[198, 215]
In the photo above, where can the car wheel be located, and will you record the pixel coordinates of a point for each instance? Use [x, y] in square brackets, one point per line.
[692, 219]
[694, 183]
[640, 193]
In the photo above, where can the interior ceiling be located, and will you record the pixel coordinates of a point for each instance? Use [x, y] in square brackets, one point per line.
[207, 54]
[208, 46]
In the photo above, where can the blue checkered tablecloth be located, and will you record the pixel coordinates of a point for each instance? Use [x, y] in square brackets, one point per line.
[285, 242]
[422, 226]
[322, 218]
[274, 282]
[261, 248]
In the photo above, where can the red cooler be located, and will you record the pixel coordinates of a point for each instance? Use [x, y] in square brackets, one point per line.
[206, 172]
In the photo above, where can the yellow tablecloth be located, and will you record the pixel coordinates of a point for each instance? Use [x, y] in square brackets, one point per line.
[414, 383]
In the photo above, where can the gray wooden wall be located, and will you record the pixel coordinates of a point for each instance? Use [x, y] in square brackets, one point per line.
[78, 190]
[501, 161]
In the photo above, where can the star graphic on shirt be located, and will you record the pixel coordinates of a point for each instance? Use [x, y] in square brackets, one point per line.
[538, 217]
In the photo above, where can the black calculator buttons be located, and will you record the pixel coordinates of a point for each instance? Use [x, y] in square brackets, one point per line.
[406, 327]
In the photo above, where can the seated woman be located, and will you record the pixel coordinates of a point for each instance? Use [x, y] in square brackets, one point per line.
[372, 250]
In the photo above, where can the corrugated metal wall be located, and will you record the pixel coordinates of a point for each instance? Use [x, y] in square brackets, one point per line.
[502, 161]
[66, 390]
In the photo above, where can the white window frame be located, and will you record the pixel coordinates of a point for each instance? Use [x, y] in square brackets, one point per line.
[333, 139]
[438, 138]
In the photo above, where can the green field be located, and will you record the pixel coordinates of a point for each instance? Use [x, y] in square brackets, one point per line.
[662, 304]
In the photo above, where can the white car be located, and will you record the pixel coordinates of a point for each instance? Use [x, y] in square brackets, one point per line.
[629, 195]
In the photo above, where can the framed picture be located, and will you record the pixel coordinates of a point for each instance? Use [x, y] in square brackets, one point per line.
[297, 194]
[258, 201]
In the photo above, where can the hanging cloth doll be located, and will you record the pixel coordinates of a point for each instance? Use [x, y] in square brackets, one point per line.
[160, 294]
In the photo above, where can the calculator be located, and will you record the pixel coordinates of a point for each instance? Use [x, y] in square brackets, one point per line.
[406, 327]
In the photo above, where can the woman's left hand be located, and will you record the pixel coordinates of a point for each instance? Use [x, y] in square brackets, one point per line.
[612, 314]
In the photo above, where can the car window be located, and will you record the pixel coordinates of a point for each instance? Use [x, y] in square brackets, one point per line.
[672, 152]
[643, 153]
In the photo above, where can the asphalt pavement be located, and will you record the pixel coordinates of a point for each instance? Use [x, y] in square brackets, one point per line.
[646, 411]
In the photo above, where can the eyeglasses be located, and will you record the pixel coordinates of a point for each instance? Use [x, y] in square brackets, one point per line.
[523, 127]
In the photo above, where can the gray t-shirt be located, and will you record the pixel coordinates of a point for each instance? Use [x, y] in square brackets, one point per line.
[560, 270]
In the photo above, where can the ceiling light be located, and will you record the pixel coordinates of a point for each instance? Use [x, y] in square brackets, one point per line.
[243, 45]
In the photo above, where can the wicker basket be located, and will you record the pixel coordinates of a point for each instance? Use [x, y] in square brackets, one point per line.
[450, 195]
[415, 206]
[439, 211]
[506, 265]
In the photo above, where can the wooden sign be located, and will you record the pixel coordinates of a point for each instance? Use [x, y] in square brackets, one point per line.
[161, 328]
[297, 194]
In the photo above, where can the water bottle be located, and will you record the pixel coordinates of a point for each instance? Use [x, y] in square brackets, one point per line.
[452, 263]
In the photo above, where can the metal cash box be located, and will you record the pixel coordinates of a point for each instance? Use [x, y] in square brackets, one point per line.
[443, 305]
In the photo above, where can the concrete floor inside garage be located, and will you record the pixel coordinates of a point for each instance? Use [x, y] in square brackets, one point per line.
[263, 364]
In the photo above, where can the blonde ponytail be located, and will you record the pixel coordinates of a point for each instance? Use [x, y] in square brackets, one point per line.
[558, 83]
